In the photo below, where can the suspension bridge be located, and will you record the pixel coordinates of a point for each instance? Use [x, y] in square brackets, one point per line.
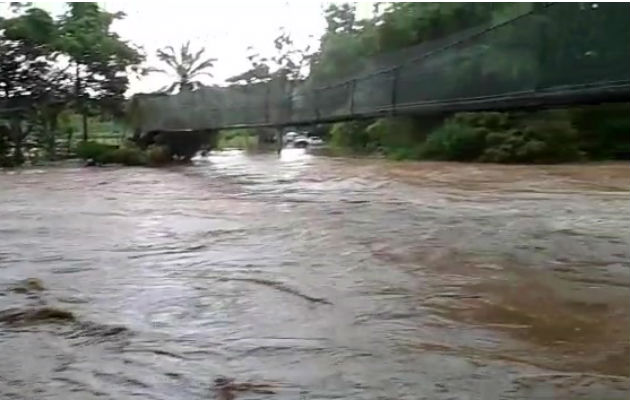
[555, 55]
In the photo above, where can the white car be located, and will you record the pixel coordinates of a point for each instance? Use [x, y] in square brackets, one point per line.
[289, 137]
[301, 142]
[315, 141]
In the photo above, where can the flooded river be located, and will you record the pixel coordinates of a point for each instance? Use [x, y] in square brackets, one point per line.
[249, 277]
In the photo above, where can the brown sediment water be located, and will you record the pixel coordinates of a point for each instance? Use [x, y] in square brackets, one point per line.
[309, 277]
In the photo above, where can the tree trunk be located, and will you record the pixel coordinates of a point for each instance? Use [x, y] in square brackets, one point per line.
[52, 139]
[80, 102]
[18, 138]
[70, 133]
[18, 156]
[84, 119]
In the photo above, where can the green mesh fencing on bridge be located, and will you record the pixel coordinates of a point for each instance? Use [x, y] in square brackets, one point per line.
[561, 53]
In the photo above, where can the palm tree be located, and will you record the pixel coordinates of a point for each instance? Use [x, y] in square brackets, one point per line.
[186, 65]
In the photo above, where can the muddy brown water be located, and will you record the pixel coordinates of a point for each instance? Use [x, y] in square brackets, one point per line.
[249, 277]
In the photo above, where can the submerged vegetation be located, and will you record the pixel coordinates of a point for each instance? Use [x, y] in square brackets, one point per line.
[127, 154]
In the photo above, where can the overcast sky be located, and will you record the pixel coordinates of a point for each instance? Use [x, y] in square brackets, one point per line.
[224, 27]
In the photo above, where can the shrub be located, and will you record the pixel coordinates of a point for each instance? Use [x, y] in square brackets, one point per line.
[404, 153]
[546, 136]
[5, 159]
[603, 130]
[455, 140]
[93, 150]
[393, 132]
[353, 136]
[243, 139]
[132, 156]
[493, 121]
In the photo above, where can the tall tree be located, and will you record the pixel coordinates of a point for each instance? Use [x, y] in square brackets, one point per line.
[258, 72]
[31, 83]
[289, 60]
[187, 66]
[101, 59]
[341, 18]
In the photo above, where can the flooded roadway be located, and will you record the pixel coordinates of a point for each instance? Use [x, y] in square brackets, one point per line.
[249, 277]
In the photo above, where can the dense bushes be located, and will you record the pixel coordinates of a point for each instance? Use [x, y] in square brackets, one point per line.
[544, 137]
[5, 146]
[396, 138]
[244, 139]
[98, 152]
[131, 156]
[596, 132]
[127, 155]
[603, 130]
[457, 139]
[504, 138]
[352, 136]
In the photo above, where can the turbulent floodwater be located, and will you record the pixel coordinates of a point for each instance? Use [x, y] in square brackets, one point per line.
[249, 277]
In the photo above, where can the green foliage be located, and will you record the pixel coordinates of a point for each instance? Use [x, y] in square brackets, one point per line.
[404, 153]
[454, 141]
[244, 139]
[530, 53]
[504, 138]
[100, 58]
[539, 137]
[105, 154]
[398, 138]
[95, 151]
[342, 54]
[187, 66]
[340, 18]
[548, 137]
[406, 24]
[38, 90]
[128, 155]
[5, 159]
[348, 43]
[604, 130]
[85, 36]
[352, 136]
[395, 132]
[35, 27]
